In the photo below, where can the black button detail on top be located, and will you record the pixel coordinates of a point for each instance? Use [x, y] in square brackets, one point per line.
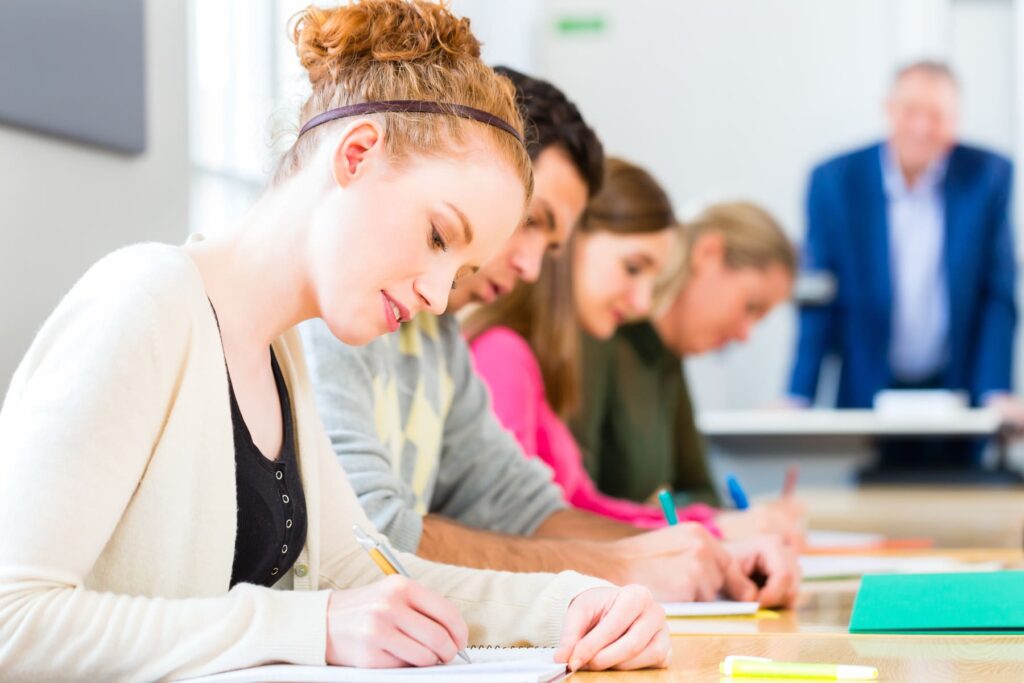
[270, 535]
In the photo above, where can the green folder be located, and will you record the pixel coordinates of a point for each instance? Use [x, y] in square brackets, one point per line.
[980, 603]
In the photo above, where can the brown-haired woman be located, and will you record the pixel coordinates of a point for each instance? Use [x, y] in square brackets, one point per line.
[629, 223]
[170, 503]
[525, 347]
[617, 253]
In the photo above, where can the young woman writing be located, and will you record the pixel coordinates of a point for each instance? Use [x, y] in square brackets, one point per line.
[170, 503]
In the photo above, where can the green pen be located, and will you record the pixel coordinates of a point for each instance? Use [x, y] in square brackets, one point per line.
[766, 668]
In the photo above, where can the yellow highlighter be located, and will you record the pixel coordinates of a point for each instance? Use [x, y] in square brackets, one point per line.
[767, 668]
[386, 561]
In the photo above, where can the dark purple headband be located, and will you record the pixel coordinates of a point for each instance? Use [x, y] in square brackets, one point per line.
[412, 107]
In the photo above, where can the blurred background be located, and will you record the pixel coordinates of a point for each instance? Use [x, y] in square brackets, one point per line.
[719, 98]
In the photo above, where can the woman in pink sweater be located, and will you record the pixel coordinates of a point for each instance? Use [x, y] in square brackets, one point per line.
[630, 221]
[507, 364]
[525, 346]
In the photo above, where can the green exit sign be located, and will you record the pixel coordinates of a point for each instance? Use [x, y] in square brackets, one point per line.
[581, 24]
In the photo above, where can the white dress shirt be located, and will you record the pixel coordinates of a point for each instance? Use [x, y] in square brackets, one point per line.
[920, 300]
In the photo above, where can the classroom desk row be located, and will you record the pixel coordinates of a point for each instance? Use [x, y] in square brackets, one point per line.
[816, 631]
[952, 517]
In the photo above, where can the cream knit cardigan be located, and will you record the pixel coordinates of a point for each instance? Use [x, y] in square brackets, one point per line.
[117, 501]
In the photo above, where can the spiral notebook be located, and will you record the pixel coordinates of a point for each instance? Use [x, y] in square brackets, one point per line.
[490, 665]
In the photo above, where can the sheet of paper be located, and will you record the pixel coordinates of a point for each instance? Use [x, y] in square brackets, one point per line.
[722, 608]
[490, 665]
[842, 539]
[727, 623]
[819, 567]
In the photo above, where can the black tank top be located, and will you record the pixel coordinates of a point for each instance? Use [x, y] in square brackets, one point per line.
[271, 505]
[271, 508]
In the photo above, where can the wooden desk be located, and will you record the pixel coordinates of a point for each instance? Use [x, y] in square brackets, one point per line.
[989, 517]
[908, 659]
[816, 631]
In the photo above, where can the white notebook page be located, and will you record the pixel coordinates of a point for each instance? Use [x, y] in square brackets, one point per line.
[490, 665]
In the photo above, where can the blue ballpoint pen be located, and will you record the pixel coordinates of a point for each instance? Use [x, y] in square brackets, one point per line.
[739, 496]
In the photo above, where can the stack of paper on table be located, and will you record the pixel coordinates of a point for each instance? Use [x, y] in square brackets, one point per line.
[724, 616]
[820, 567]
[829, 542]
[490, 665]
[721, 608]
[934, 404]
[842, 539]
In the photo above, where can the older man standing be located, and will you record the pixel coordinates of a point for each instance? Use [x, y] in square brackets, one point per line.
[916, 232]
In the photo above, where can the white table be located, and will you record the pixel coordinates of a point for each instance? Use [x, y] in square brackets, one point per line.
[829, 445]
[856, 423]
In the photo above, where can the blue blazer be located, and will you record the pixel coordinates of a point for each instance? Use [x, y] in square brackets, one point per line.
[848, 235]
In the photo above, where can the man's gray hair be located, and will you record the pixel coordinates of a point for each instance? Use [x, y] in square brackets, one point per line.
[929, 67]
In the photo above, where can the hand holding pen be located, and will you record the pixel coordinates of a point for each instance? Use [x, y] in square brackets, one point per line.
[764, 559]
[784, 516]
[387, 562]
[392, 623]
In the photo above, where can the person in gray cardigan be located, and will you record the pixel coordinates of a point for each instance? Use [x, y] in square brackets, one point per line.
[431, 464]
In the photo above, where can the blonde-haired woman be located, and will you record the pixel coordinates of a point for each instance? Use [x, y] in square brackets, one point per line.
[170, 503]
[731, 265]
[524, 347]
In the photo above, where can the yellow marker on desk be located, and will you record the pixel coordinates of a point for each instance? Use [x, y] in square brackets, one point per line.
[386, 561]
[766, 668]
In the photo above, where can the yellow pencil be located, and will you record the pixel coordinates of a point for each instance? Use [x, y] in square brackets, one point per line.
[386, 561]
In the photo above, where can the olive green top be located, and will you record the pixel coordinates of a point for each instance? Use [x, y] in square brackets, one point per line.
[635, 422]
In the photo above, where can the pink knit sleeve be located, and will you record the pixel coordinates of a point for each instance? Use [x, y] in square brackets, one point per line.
[505, 362]
[587, 497]
[702, 514]
[507, 365]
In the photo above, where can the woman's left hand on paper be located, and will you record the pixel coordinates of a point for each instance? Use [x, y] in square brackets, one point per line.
[614, 628]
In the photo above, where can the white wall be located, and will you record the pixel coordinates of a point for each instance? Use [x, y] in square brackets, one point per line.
[982, 48]
[739, 98]
[510, 32]
[720, 98]
[63, 206]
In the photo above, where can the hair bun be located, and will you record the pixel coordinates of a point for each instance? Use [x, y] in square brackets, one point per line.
[330, 40]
